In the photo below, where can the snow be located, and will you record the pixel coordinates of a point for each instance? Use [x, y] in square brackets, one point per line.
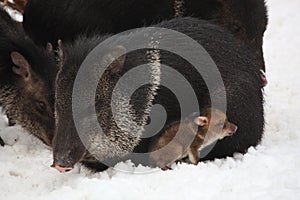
[268, 171]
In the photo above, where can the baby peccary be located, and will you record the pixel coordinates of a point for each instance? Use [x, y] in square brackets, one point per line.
[186, 138]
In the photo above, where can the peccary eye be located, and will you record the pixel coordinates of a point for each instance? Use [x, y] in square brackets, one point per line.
[15, 67]
[41, 106]
[221, 124]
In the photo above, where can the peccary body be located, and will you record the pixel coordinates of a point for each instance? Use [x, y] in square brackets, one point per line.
[27, 74]
[186, 138]
[236, 64]
[48, 21]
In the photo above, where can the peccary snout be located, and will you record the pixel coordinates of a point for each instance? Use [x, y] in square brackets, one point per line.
[62, 169]
[70, 150]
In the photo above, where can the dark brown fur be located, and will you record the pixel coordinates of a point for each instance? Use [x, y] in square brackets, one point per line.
[27, 74]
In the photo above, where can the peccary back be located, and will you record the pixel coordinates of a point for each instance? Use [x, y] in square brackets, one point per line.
[48, 21]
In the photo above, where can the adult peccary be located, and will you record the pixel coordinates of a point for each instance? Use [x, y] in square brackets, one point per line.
[236, 63]
[27, 74]
[48, 21]
[115, 142]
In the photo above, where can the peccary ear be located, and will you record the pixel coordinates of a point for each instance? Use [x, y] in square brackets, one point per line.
[112, 57]
[21, 66]
[201, 121]
[49, 47]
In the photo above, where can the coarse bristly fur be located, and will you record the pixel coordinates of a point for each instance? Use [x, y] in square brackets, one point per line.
[27, 75]
[240, 74]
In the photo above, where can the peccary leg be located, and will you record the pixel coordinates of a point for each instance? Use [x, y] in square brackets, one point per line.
[169, 155]
[166, 168]
[193, 156]
[1, 142]
[11, 121]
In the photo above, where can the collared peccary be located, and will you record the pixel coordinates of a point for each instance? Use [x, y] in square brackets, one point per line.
[48, 21]
[168, 148]
[68, 148]
[27, 74]
[236, 63]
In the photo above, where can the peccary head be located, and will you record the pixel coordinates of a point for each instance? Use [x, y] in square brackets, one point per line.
[68, 149]
[27, 74]
[214, 128]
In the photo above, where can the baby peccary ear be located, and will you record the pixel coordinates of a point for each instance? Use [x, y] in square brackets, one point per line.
[117, 58]
[21, 66]
[201, 121]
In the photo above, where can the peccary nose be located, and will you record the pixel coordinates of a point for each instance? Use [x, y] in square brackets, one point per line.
[62, 169]
[265, 81]
[263, 78]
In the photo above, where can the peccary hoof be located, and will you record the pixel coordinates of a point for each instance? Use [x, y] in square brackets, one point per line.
[1, 142]
[11, 122]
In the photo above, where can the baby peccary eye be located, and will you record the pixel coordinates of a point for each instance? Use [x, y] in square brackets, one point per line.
[221, 124]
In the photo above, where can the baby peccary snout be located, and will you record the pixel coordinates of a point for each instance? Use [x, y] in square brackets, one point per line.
[186, 138]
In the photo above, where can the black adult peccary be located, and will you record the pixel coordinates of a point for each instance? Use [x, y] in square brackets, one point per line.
[67, 146]
[27, 74]
[48, 21]
[236, 63]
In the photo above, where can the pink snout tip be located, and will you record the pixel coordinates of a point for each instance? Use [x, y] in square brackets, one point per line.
[62, 169]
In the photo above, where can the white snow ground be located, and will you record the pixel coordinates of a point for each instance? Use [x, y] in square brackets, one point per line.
[269, 171]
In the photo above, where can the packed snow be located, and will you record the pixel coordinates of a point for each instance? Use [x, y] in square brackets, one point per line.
[269, 171]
